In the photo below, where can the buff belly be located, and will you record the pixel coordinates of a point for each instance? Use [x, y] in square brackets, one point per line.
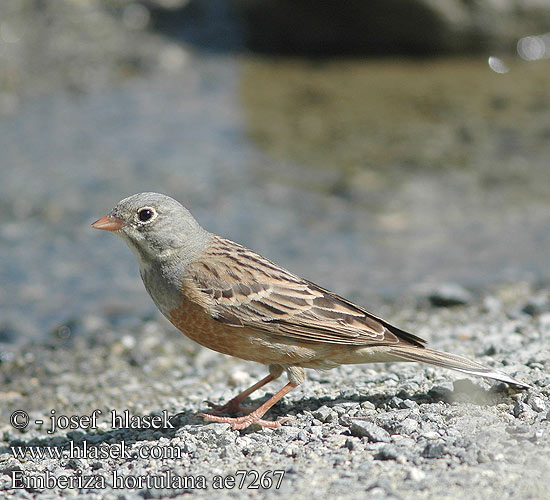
[254, 345]
[241, 342]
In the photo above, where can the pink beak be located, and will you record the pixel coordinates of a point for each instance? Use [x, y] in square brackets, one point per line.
[109, 223]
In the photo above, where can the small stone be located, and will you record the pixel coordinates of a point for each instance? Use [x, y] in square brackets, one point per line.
[416, 475]
[344, 408]
[433, 450]
[291, 450]
[325, 414]
[491, 350]
[367, 405]
[287, 432]
[430, 435]
[408, 404]
[395, 402]
[408, 426]
[401, 459]
[375, 434]
[519, 409]
[350, 444]
[73, 463]
[449, 294]
[316, 432]
[537, 305]
[387, 452]
[517, 429]
[302, 436]
[10, 466]
[482, 457]
[536, 403]
[189, 447]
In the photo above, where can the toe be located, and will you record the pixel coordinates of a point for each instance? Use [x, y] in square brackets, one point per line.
[239, 423]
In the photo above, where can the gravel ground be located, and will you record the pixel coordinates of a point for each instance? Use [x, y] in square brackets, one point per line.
[102, 99]
[393, 431]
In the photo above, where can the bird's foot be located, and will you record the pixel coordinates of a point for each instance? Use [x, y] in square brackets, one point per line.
[230, 407]
[243, 422]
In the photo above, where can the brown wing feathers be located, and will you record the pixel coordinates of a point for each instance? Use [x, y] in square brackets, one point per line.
[249, 290]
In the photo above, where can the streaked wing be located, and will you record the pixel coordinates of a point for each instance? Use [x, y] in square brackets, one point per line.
[246, 289]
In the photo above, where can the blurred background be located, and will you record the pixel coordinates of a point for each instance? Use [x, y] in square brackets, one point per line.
[380, 148]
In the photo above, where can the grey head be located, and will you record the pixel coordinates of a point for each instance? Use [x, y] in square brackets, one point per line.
[156, 227]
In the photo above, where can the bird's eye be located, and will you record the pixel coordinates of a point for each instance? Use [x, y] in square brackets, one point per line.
[146, 214]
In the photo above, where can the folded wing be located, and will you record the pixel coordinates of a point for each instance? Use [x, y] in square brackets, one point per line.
[246, 289]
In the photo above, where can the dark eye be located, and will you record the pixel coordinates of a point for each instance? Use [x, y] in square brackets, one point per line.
[145, 214]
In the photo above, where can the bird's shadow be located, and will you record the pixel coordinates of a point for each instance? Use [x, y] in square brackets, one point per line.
[469, 393]
[465, 392]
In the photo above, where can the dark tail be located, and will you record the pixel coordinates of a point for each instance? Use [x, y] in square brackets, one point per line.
[454, 362]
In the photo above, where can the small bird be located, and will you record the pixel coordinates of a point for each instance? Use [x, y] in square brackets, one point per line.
[234, 301]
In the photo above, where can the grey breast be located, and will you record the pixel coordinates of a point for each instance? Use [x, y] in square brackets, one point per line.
[163, 285]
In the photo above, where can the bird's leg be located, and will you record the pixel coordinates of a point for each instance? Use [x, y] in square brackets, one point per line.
[254, 417]
[296, 375]
[234, 405]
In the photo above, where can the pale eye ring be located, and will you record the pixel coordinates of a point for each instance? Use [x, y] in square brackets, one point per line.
[146, 214]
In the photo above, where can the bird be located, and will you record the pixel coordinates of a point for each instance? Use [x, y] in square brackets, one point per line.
[232, 300]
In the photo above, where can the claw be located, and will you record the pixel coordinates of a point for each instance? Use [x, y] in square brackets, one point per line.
[238, 423]
[228, 408]
[255, 417]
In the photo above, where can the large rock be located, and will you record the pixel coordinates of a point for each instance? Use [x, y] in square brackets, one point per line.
[391, 26]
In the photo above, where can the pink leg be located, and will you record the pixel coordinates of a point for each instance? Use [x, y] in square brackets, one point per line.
[256, 416]
[234, 405]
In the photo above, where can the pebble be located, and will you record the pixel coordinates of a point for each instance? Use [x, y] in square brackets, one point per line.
[363, 428]
[537, 304]
[433, 450]
[536, 403]
[408, 404]
[387, 452]
[520, 409]
[408, 426]
[449, 294]
[325, 414]
[430, 435]
[491, 304]
[416, 475]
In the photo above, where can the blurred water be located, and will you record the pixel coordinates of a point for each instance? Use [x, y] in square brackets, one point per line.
[354, 193]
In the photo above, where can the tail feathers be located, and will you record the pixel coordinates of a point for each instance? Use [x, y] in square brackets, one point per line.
[454, 362]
